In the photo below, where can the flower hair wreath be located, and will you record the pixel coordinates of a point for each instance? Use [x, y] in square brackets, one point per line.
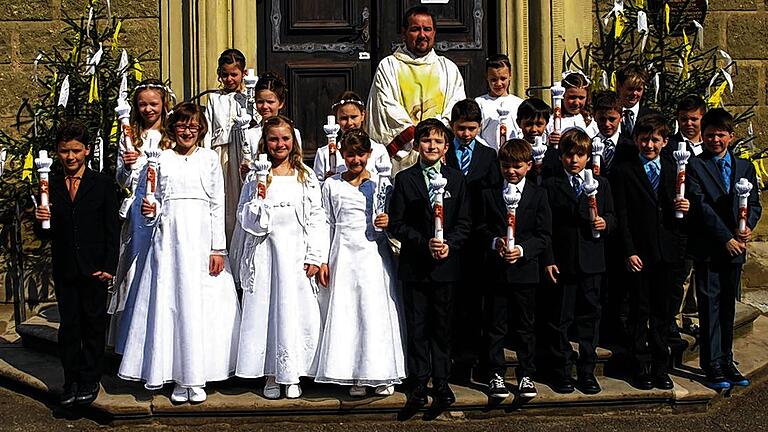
[346, 101]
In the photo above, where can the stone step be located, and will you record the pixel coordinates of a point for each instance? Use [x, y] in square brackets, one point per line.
[38, 374]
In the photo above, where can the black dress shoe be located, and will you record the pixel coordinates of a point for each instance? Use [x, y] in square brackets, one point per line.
[643, 379]
[716, 378]
[443, 394]
[86, 393]
[588, 384]
[733, 375]
[562, 385]
[418, 394]
[662, 381]
[68, 394]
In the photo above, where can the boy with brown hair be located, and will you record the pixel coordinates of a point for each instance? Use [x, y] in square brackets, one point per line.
[516, 267]
[84, 250]
[575, 263]
[652, 246]
[720, 248]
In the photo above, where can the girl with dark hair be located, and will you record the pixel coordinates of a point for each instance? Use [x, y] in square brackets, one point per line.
[184, 315]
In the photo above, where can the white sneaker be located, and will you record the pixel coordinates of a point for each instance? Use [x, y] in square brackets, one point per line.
[293, 391]
[357, 391]
[385, 390]
[271, 389]
[180, 394]
[197, 394]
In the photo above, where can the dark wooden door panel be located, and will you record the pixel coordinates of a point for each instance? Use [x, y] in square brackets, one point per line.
[314, 86]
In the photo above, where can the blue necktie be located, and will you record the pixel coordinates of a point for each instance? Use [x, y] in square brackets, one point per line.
[464, 162]
[576, 183]
[725, 173]
[653, 176]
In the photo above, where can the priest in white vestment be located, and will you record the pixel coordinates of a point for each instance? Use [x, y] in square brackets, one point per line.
[411, 85]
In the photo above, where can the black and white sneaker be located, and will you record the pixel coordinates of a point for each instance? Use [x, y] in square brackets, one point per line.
[67, 396]
[526, 388]
[497, 388]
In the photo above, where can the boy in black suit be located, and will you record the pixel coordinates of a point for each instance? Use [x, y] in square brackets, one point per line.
[618, 146]
[516, 268]
[719, 249]
[684, 311]
[652, 245]
[575, 263]
[84, 249]
[630, 86]
[429, 268]
[477, 162]
[532, 118]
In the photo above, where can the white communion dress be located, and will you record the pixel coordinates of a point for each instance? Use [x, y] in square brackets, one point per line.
[183, 323]
[282, 319]
[135, 235]
[362, 340]
[489, 105]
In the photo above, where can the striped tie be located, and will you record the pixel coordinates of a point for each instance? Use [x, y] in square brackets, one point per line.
[725, 173]
[653, 176]
[576, 183]
[464, 162]
[431, 172]
[608, 152]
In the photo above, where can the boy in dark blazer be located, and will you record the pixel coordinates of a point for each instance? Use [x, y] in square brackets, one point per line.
[477, 162]
[84, 249]
[619, 147]
[516, 269]
[532, 118]
[719, 249]
[630, 86]
[652, 244]
[429, 268]
[575, 263]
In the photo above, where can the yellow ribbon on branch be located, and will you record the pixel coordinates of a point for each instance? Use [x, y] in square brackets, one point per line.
[613, 81]
[716, 99]
[619, 24]
[93, 92]
[666, 17]
[687, 48]
[115, 41]
[138, 70]
[29, 163]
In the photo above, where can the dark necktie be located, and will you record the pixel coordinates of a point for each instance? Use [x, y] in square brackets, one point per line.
[576, 183]
[628, 121]
[464, 161]
[608, 152]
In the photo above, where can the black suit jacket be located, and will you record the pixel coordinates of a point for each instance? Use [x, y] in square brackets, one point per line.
[672, 144]
[573, 249]
[411, 221]
[716, 211]
[647, 224]
[84, 232]
[533, 232]
[484, 173]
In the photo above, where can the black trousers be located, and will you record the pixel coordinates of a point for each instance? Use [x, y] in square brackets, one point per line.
[82, 328]
[467, 334]
[717, 286]
[428, 316]
[650, 313]
[576, 300]
[515, 305]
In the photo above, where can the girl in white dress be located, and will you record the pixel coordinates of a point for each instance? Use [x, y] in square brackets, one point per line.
[149, 109]
[576, 102]
[186, 316]
[349, 110]
[288, 242]
[227, 118]
[498, 71]
[271, 93]
[362, 344]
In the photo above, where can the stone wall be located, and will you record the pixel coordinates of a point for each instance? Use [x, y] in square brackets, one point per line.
[30, 26]
[740, 27]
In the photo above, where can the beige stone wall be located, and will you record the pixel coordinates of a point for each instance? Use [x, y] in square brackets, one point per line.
[29, 26]
[740, 27]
